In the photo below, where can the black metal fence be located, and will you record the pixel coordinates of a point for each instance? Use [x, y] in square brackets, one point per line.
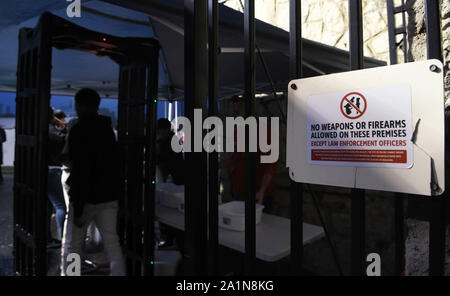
[197, 14]
[138, 85]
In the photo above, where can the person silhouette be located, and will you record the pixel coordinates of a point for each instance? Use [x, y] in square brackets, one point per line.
[93, 180]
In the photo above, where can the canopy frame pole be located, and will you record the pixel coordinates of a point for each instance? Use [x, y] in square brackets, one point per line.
[213, 51]
[250, 157]
[196, 90]
[269, 77]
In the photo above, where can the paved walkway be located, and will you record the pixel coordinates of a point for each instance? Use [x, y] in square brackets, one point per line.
[93, 253]
[6, 237]
[6, 225]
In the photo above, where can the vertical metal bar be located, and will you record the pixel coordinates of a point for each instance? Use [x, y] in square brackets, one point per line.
[196, 88]
[43, 103]
[132, 170]
[391, 31]
[213, 33]
[356, 34]
[18, 156]
[433, 24]
[150, 164]
[358, 220]
[399, 226]
[438, 203]
[134, 181]
[140, 147]
[399, 231]
[357, 195]
[405, 34]
[250, 159]
[140, 130]
[121, 135]
[272, 85]
[295, 39]
[135, 168]
[296, 192]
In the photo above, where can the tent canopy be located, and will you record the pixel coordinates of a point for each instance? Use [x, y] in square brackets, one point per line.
[163, 19]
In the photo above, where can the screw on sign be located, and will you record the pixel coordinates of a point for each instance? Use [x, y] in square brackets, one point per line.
[353, 105]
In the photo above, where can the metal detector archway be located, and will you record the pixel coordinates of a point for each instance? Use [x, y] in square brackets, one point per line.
[138, 85]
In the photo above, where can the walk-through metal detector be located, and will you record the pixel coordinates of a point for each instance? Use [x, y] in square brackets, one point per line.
[30, 167]
[138, 85]
[137, 116]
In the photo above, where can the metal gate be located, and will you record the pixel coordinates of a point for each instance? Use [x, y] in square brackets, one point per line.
[136, 132]
[198, 13]
[30, 173]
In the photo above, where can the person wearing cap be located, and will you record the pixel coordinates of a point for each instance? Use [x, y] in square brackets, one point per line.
[56, 137]
[93, 183]
[60, 119]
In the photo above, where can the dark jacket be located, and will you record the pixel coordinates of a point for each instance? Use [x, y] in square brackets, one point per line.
[94, 175]
[2, 140]
[56, 137]
[168, 161]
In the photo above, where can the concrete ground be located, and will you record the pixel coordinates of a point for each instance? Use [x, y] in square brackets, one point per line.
[94, 254]
[93, 251]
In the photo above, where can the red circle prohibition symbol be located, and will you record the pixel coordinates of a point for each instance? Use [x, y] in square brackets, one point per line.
[361, 112]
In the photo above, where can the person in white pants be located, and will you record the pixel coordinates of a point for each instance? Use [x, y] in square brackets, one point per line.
[92, 231]
[105, 217]
[92, 182]
[67, 230]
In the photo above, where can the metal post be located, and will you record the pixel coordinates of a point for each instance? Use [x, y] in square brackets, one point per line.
[122, 120]
[356, 34]
[438, 203]
[399, 222]
[43, 104]
[405, 35]
[195, 75]
[213, 33]
[357, 195]
[135, 166]
[296, 193]
[391, 31]
[150, 165]
[399, 226]
[250, 159]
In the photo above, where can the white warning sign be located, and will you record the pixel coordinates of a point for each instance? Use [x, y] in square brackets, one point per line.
[362, 127]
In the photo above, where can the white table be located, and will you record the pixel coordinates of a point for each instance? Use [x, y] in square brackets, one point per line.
[273, 234]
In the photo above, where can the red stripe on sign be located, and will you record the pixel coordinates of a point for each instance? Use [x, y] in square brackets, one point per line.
[379, 156]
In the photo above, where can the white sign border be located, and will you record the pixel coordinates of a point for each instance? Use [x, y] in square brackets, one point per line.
[427, 105]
